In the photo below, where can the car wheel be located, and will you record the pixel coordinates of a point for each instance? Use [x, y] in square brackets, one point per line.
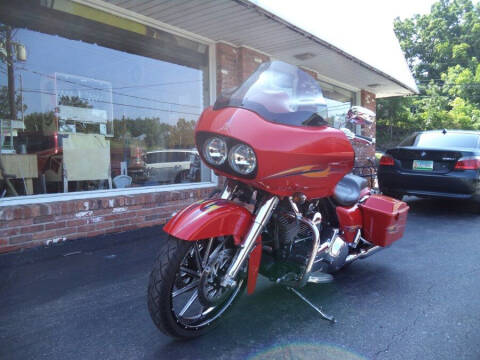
[182, 177]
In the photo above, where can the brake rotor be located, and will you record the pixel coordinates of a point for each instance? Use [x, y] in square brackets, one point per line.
[210, 292]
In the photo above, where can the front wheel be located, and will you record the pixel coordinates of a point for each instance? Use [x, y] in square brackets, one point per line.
[185, 298]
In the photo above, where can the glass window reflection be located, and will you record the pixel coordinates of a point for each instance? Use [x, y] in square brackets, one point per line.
[86, 113]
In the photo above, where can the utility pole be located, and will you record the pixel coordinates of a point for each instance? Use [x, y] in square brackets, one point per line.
[11, 75]
[21, 100]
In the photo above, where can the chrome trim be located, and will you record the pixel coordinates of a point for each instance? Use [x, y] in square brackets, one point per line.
[261, 219]
[363, 254]
[363, 199]
[317, 218]
[294, 207]
[356, 240]
[228, 191]
[313, 254]
[314, 307]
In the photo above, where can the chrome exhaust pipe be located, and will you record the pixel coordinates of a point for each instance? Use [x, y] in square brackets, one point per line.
[316, 247]
[363, 254]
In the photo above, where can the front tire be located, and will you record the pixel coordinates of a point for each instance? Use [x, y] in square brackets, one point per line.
[173, 291]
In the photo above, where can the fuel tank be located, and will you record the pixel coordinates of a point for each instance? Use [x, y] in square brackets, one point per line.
[290, 159]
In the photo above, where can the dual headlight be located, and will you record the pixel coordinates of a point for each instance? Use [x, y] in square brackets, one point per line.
[241, 157]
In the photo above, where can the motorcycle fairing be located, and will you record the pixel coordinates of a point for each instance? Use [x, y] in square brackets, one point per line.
[213, 218]
[290, 159]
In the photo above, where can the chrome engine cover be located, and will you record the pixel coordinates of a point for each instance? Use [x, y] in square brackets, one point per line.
[332, 258]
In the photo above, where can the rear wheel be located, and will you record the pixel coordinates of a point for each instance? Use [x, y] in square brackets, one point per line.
[185, 298]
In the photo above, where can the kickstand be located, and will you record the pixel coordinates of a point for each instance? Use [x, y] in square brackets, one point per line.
[316, 308]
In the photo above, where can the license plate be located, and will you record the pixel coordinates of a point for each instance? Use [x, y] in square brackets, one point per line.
[423, 165]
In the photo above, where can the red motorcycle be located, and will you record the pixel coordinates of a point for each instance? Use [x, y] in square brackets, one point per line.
[291, 210]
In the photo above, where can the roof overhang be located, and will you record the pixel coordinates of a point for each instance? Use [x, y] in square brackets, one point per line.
[242, 23]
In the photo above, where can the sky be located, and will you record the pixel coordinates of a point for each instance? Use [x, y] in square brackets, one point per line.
[363, 29]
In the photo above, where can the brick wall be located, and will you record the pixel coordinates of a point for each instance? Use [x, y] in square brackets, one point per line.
[363, 152]
[235, 64]
[227, 67]
[44, 224]
[248, 61]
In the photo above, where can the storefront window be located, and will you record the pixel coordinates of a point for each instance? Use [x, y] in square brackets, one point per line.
[96, 106]
[339, 100]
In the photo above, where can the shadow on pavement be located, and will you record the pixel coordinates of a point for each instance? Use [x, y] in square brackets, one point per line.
[442, 206]
[257, 321]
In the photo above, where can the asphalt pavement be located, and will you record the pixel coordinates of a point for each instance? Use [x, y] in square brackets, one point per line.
[419, 299]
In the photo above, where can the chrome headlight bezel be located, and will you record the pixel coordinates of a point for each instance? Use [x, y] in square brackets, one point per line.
[202, 138]
[242, 153]
[222, 150]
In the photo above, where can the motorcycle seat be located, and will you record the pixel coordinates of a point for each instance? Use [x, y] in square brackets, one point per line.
[347, 191]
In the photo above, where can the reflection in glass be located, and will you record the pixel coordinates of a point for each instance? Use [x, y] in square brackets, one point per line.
[84, 114]
[338, 102]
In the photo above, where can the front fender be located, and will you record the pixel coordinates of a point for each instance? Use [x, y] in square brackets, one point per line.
[213, 218]
[210, 218]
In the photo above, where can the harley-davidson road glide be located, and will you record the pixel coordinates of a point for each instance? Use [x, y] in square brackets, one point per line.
[291, 210]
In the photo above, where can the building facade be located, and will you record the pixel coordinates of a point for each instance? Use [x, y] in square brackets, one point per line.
[100, 99]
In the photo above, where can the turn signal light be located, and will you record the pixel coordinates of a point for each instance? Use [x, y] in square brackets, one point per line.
[470, 163]
[387, 160]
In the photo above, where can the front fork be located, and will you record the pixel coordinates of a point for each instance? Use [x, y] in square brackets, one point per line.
[261, 219]
[228, 192]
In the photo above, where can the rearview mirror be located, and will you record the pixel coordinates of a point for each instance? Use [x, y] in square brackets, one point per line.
[360, 115]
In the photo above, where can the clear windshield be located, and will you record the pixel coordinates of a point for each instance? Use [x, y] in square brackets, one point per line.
[281, 93]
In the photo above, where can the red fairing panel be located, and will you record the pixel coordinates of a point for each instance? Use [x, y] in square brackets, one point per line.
[290, 159]
[350, 220]
[210, 218]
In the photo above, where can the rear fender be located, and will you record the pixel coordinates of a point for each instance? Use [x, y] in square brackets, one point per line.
[213, 218]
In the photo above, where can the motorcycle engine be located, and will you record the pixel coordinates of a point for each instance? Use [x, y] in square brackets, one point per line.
[295, 238]
[295, 241]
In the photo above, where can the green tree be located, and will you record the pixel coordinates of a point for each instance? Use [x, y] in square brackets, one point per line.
[5, 106]
[443, 51]
[74, 101]
[150, 133]
[182, 135]
[35, 121]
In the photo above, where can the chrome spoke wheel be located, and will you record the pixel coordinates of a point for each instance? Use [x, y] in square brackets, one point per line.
[197, 299]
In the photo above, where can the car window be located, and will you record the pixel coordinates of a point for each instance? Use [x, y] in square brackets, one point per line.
[409, 141]
[163, 157]
[439, 139]
[177, 156]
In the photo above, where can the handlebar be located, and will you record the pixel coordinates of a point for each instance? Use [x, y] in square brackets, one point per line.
[352, 136]
[367, 139]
